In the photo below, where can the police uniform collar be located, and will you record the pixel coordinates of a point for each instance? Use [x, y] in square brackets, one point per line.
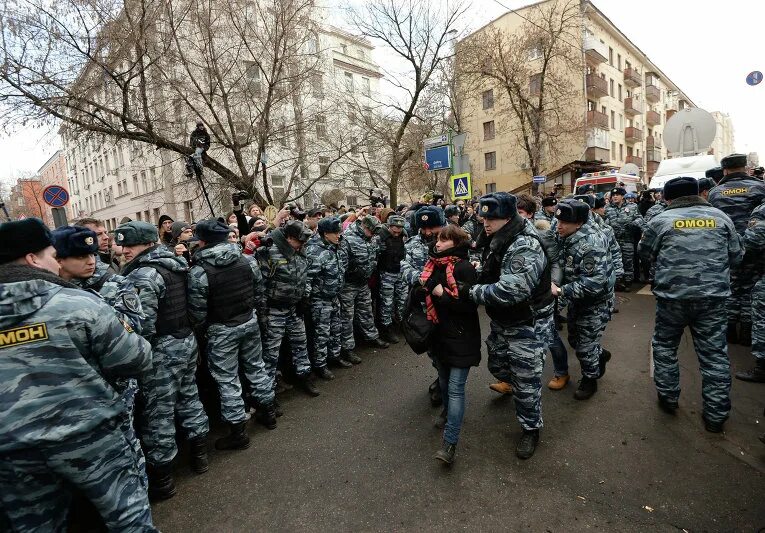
[507, 233]
[15, 273]
[737, 175]
[686, 201]
[136, 262]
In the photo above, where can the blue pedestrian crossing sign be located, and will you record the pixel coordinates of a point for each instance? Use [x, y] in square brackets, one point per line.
[462, 188]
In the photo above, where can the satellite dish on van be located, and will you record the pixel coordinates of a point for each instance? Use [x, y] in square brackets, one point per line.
[689, 132]
[630, 168]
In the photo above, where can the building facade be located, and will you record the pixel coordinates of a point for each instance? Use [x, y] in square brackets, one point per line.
[625, 98]
[725, 141]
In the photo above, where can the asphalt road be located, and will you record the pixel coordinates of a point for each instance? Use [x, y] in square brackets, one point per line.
[359, 457]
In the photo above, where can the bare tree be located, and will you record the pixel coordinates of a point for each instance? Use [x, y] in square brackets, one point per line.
[419, 34]
[538, 72]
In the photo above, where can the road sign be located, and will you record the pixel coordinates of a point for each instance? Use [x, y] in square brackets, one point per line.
[439, 158]
[754, 77]
[55, 196]
[461, 186]
[436, 141]
[539, 179]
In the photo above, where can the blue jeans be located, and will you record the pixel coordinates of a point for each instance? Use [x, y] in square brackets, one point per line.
[559, 356]
[453, 380]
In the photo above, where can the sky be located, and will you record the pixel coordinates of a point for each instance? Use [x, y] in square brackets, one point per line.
[706, 48]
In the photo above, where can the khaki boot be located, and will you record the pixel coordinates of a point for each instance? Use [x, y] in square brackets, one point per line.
[501, 387]
[559, 382]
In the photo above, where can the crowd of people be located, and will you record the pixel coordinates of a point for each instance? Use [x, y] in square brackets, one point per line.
[112, 343]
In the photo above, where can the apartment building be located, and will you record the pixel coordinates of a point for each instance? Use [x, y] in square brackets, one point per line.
[116, 180]
[725, 141]
[626, 98]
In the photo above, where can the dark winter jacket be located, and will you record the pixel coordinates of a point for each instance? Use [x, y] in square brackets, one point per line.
[457, 336]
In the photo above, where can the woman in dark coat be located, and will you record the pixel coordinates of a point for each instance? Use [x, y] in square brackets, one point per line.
[456, 347]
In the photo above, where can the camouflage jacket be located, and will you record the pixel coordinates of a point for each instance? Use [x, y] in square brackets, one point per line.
[614, 249]
[737, 195]
[218, 255]
[149, 283]
[284, 270]
[587, 268]
[117, 291]
[360, 252]
[693, 246]
[473, 227]
[541, 214]
[415, 259]
[654, 210]
[326, 273]
[754, 237]
[624, 220]
[58, 346]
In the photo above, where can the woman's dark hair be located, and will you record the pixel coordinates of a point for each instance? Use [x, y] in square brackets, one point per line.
[454, 233]
[527, 203]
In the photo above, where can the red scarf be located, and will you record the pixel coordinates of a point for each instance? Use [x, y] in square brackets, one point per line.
[451, 288]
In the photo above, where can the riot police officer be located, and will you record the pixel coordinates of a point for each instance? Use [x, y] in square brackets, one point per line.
[625, 219]
[393, 288]
[754, 242]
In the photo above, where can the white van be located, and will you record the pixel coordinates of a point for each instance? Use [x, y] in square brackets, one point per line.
[694, 166]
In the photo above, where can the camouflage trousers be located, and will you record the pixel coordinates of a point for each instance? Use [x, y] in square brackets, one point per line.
[128, 389]
[170, 391]
[227, 348]
[627, 246]
[585, 330]
[328, 329]
[706, 320]
[393, 293]
[281, 322]
[37, 482]
[758, 320]
[742, 280]
[356, 307]
[516, 356]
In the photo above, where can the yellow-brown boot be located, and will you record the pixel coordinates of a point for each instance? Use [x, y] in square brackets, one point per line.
[559, 382]
[501, 387]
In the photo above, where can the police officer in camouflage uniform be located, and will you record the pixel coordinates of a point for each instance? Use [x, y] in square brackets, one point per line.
[63, 431]
[737, 195]
[514, 282]
[225, 292]
[588, 284]
[547, 210]
[754, 242]
[694, 247]
[624, 218]
[326, 276]
[360, 249]
[284, 266]
[428, 220]
[393, 288]
[169, 389]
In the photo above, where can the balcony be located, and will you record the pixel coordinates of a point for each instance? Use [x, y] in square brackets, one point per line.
[653, 155]
[596, 119]
[652, 118]
[597, 87]
[595, 51]
[650, 142]
[635, 160]
[593, 153]
[651, 169]
[670, 113]
[598, 142]
[652, 93]
[632, 107]
[633, 135]
[632, 77]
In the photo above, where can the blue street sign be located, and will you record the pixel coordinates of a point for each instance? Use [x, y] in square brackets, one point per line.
[754, 77]
[55, 196]
[438, 158]
[539, 179]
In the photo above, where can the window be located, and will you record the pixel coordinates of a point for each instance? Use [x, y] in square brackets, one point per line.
[136, 190]
[153, 175]
[352, 201]
[156, 215]
[188, 211]
[591, 105]
[277, 187]
[321, 126]
[613, 151]
[535, 53]
[490, 160]
[323, 165]
[627, 64]
[613, 120]
[144, 185]
[344, 48]
[365, 86]
[360, 54]
[535, 84]
[620, 92]
[349, 82]
[619, 61]
[138, 216]
[252, 77]
[610, 56]
[491, 187]
[488, 99]
[611, 88]
[354, 146]
[621, 152]
[603, 110]
[317, 87]
[488, 130]
[621, 122]
[146, 216]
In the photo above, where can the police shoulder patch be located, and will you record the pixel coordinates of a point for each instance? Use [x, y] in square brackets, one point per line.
[131, 302]
[517, 263]
[588, 265]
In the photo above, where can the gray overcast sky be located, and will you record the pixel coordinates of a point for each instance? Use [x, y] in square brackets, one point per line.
[706, 48]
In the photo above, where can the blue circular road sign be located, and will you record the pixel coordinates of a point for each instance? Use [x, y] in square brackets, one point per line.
[55, 196]
[754, 77]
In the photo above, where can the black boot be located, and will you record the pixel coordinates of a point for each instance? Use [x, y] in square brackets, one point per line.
[378, 343]
[712, 427]
[278, 408]
[745, 334]
[667, 405]
[605, 357]
[732, 332]
[441, 419]
[266, 415]
[308, 385]
[339, 363]
[236, 440]
[161, 485]
[587, 387]
[387, 334]
[756, 374]
[324, 373]
[198, 454]
[446, 453]
[527, 444]
[350, 356]
[434, 390]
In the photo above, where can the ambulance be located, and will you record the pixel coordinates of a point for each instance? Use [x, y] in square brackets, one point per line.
[605, 180]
